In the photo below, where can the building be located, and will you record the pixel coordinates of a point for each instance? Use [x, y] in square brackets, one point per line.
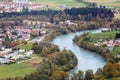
[20, 1]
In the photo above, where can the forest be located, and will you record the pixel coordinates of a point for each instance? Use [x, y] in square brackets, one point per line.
[73, 12]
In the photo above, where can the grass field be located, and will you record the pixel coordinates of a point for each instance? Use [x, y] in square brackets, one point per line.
[104, 35]
[27, 47]
[117, 16]
[115, 51]
[37, 60]
[20, 69]
[16, 69]
[56, 3]
[109, 3]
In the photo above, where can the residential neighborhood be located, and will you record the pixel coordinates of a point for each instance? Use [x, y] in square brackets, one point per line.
[110, 44]
[30, 31]
[19, 6]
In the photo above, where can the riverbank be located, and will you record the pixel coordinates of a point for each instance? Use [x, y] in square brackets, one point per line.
[86, 59]
[96, 43]
[82, 55]
[111, 68]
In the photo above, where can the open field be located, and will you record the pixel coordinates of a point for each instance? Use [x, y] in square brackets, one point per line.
[27, 47]
[117, 16]
[56, 3]
[109, 3]
[20, 69]
[37, 60]
[104, 35]
[16, 69]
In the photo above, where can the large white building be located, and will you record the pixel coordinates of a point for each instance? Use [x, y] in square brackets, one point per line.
[20, 1]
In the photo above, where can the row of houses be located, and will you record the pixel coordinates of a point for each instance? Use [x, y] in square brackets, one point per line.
[18, 7]
[8, 56]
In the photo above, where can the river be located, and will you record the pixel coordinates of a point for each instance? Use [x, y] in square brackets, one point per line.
[86, 59]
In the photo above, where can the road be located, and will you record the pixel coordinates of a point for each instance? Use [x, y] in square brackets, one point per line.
[38, 39]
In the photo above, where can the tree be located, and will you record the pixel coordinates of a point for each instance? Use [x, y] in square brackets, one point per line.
[42, 77]
[34, 34]
[89, 75]
[110, 71]
[24, 42]
[7, 41]
[59, 75]
[99, 75]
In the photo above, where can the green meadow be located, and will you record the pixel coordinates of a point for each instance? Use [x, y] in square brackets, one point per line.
[56, 3]
[27, 47]
[16, 70]
[104, 35]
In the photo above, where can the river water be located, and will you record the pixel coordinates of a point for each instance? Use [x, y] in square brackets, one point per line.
[86, 59]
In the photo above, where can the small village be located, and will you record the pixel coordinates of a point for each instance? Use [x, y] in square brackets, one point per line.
[110, 44]
[19, 5]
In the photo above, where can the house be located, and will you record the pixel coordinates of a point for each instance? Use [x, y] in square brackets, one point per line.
[3, 53]
[29, 53]
[118, 55]
[25, 37]
[5, 61]
[21, 50]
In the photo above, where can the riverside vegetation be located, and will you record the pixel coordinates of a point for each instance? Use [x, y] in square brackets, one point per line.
[54, 65]
[111, 68]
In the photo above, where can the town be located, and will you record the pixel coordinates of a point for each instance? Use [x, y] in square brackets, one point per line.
[29, 32]
[19, 5]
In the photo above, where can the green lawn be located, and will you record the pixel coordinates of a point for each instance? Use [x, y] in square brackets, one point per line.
[27, 47]
[104, 35]
[115, 51]
[56, 3]
[16, 69]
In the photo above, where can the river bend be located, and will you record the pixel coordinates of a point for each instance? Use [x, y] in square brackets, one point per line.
[86, 59]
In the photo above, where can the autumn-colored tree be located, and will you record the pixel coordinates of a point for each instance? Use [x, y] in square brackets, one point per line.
[14, 43]
[110, 71]
[117, 65]
[24, 42]
[59, 75]
[89, 75]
